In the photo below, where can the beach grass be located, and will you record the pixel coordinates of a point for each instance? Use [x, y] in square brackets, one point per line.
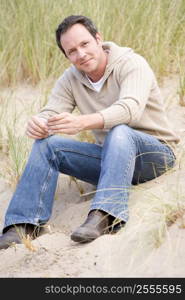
[28, 51]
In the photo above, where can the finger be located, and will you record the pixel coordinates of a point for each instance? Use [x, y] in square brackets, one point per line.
[58, 117]
[60, 127]
[65, 131]
[57, 122]
[31, 132]
[33, 126]
[40, 124]
[33, 136]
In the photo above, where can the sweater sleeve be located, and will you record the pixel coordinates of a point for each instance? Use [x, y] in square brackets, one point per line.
[60, 100]
[135, 79]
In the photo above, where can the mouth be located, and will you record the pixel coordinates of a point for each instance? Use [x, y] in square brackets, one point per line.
[85, 62]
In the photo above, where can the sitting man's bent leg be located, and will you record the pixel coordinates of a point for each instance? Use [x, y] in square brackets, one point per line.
[33, 198]
[126, 154]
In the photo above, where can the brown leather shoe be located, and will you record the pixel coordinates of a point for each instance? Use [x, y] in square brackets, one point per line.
[96, 224]
[15, 234]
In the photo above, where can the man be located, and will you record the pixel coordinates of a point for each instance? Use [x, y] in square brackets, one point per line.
[119, 99]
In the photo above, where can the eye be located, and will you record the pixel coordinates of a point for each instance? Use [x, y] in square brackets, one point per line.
[85, 43]
[71, 51]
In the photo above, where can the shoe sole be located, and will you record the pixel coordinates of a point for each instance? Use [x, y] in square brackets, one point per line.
[81, 239]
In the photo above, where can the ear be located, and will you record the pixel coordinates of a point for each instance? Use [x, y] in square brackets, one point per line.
[99, 38]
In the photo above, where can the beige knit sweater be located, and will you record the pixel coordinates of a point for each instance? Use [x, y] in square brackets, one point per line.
[130, 95]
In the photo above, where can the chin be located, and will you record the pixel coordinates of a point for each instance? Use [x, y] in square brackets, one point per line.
[90, 69]
[87, 69]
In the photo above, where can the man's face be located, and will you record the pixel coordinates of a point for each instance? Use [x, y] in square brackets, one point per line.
[82, 49]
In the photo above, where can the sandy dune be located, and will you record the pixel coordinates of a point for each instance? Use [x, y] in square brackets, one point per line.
[148, 246]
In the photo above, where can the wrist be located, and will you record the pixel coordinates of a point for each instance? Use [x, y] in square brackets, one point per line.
[92, 121]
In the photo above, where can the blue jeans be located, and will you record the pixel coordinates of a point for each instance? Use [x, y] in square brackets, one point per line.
[127, 157]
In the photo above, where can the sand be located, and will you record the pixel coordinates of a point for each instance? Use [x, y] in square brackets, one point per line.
[140, 249]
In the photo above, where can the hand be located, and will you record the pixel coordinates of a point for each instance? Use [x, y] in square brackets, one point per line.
[66, 123]
[37, 128]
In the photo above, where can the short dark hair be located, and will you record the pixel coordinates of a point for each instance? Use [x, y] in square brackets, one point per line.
[69, 22]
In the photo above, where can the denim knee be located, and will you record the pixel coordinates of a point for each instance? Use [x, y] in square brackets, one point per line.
[50, 141]
[119, 134]
[46, 146]
[120, 130]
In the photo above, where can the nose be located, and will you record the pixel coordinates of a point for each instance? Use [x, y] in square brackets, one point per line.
[81, 54]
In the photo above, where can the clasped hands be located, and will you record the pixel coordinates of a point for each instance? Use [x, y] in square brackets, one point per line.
[67, 123]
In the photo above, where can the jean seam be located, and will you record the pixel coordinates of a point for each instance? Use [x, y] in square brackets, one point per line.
[122, 196]
[42, 191]
[129, 160]
[77, 152]
[165, 149]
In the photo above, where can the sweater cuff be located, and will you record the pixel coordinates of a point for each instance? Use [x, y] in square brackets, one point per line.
[114, 115]
[46, 114]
